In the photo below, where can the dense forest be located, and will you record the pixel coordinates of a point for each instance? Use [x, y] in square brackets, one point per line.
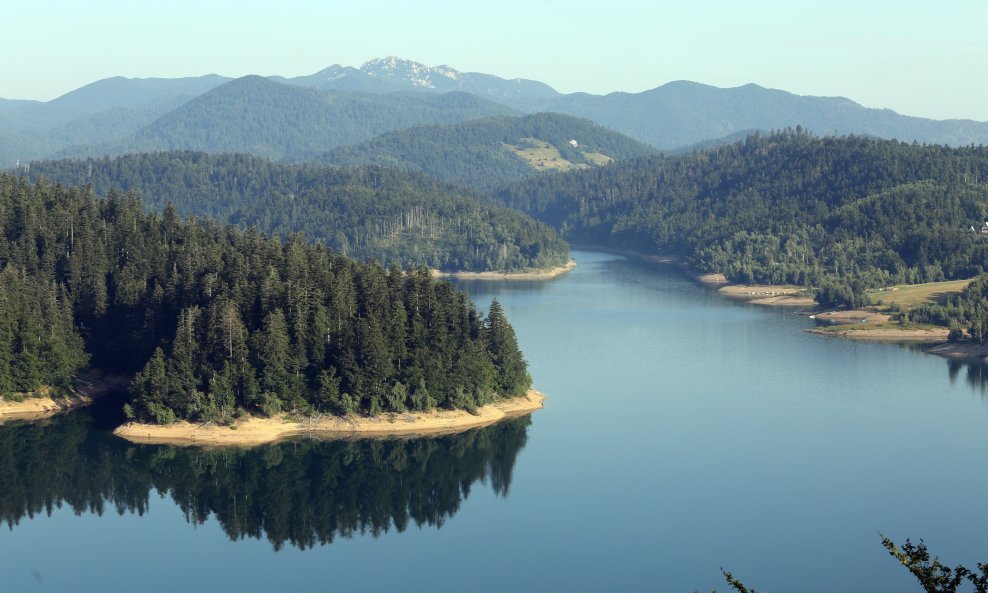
[303, 493]
[219, 321]
[488, 153]
[369, 212]
[839, 213]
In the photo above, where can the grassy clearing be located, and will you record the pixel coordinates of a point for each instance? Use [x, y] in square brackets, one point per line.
[911, 295]
[543, 156]
[598, 158]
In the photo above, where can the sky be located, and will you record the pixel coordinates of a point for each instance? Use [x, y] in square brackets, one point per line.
[917, 57]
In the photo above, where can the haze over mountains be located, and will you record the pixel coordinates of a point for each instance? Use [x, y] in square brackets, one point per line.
[274, 120]
[296, 118]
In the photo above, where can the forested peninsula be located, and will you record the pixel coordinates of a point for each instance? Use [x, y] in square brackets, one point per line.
[220, 323]
[839, 215]
[785, 208]
[368, 213]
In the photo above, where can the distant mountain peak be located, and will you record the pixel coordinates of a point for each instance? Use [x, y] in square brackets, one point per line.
[416, 73]
[447, 71]
[334, 72]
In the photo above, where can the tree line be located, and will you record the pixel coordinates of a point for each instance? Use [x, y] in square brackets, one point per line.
[389, 215]
[217, 321]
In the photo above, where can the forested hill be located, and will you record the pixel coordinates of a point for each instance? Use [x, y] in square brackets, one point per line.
[368, 212]
[489, 153]
[789, 207]
[219, 320]
[266, 118]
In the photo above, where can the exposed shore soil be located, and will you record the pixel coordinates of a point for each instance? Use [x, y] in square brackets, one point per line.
[962, 350]
[885, 333]
[45, 403]
[778, 295]
[524, 275]
[853, 316]
[42, 405]
[258, 431]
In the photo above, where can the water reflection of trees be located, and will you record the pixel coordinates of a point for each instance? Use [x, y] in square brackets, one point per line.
[975, 374]
[302, 492]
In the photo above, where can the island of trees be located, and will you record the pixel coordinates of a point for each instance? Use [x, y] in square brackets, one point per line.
[217, 322]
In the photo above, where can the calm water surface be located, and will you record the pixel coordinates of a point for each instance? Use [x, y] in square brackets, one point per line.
[684, 432]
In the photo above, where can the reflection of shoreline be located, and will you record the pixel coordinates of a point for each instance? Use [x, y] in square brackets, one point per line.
[256, 431]
[304, 493]
[976, 375]
[961, 351]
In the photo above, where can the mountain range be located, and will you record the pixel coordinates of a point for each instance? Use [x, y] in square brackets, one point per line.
[345, 105]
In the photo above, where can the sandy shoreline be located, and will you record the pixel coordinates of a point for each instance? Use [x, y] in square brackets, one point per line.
[961, 350]
[778, 295]
[525, 275]
[43, 406]
[85, 390]
[885, 333]
[258, 431]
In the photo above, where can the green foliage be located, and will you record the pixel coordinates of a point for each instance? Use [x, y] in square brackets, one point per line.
[841, 293]
[842, 214]
[368, 213]
[932, 575]
[736, 584]
[512, 374]
[39, 342]
[214, 320]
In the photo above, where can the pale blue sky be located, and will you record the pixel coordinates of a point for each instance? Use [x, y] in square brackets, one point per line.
[918, 57]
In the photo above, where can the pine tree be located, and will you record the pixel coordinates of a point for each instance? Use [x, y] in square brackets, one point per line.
[512, 370]
[273, 349]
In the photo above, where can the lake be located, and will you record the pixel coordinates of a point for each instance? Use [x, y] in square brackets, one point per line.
[683, 432]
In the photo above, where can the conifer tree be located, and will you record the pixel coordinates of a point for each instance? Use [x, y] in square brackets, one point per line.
[502, 345]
